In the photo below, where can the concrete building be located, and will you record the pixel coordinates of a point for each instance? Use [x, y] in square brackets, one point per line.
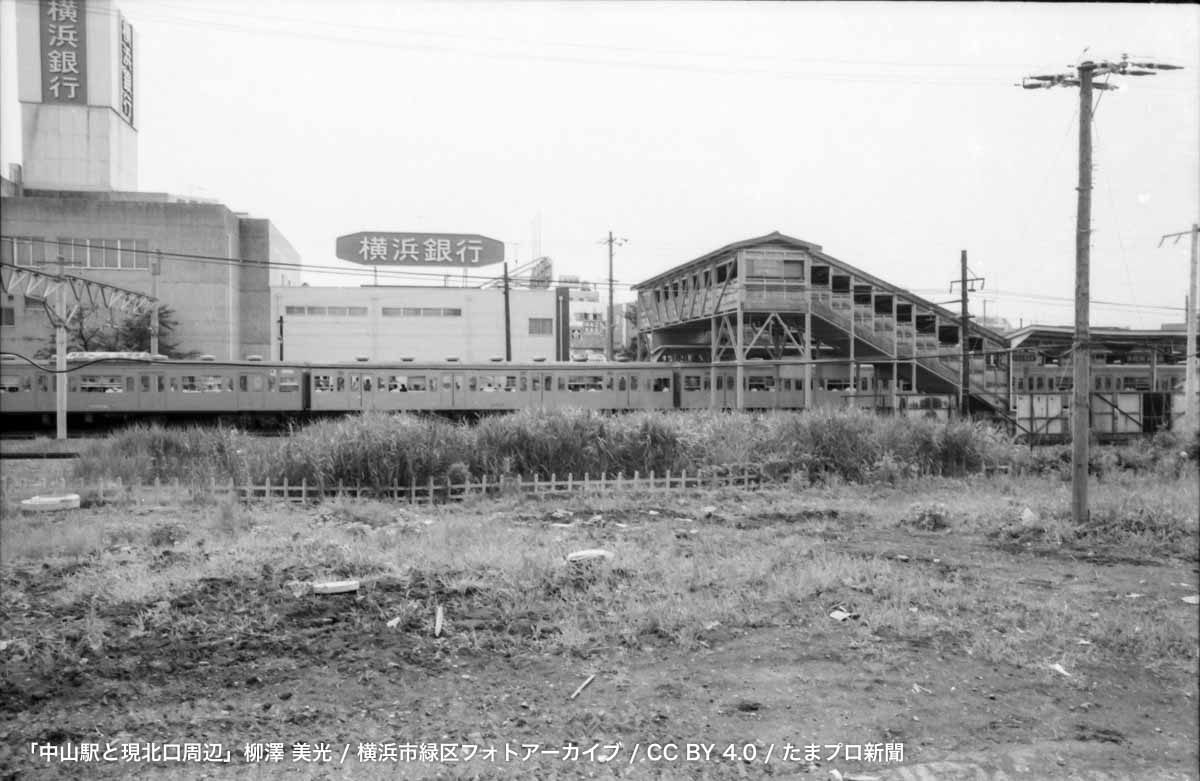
[68, 179]
[383, 323]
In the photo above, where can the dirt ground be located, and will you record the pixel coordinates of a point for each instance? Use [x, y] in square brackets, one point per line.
[331, 691]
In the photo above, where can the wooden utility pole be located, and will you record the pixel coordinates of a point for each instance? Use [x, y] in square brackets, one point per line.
[156, 263]
[1081, 354]
[507, 319]
[611, 325]
[964, 339]
[1084, 78]
[1191, 380]
[966, 284]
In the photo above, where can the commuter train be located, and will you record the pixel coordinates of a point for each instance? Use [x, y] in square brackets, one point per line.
[113, 388]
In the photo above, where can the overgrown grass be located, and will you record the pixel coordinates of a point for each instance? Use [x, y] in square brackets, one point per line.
[379, 450]
[775, 559]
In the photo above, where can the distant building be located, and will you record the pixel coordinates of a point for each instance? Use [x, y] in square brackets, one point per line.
[383, 323]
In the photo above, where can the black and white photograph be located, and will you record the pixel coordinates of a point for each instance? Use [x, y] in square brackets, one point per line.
[533, 389]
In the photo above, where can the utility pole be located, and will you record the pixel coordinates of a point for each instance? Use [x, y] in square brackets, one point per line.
[611, 326]
[1085, 78]
[1191, 380]
[507, 321]
[281, 337]
[966, 284]
[155, 270]
[60, 353]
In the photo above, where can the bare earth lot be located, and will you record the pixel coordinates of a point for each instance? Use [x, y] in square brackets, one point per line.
[971, 645]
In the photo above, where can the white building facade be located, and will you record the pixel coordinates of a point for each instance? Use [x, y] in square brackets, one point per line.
[383, 323]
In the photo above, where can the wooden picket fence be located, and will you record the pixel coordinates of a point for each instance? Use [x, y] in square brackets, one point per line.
[428, 492]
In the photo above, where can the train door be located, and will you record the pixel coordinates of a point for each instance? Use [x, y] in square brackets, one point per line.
[458, 391]
[251, 391]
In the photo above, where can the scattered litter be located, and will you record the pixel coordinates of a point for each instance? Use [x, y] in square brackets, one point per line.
[1081, 641]
[582, 686]
[900, 557]
[839, 613]
[621, 525]
[1058, 668]
[1029, 517]
[562, 525]
[299, 588]
[685, 520]
[708, 511]
[335, 587]
[597, 518]
[919, 689]
[589, 555]
[395, 622]
[859, 777]
[437, 622]
[711, 625]
[652, 512]
[1134, 596]
[562, 513]
[41, 504]
[1194, 599]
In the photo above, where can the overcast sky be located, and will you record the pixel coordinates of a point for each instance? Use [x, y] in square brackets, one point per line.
[891, 134]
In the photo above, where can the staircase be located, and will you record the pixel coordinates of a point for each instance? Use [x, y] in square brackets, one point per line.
[951, 373]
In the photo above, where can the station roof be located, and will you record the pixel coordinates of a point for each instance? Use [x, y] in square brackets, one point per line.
[1123, 338]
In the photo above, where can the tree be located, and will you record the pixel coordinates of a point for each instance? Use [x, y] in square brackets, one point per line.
[96, 329]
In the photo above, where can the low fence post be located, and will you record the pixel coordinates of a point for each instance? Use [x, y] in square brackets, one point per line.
[412, 489]
[304, 490]
[430, 490]
[287, 492]
[483, 485]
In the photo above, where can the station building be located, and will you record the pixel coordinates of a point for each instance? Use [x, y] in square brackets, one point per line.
[853, 338]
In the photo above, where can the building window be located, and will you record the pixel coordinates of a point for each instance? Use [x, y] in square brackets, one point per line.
[294, 310]
[356, 311]
[8, 316]
[317, 310]
[541, 326]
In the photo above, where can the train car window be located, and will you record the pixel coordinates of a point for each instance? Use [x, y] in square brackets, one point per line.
[1020, 383]
[243, 383]
[446, 383]
[458, 382]
[787, 383]
[706, 382]
[761, 384]
[472, 383]
[27, 384]
[1066, 383]
[186, 384]
[691, 382]
[536, 381]
[622, 384]
[341, 383]
[661, 384]
[41, 382]
[271, 381]
[524, 383]
[510, 383]
[1041, 383]
[417, 383]
[322, 383]
[562, 382]
[129, 385]
[1099, 383]
[720, 382]
[9, 385]
[367, 383]
[288, 381]
[355, 383]
[215, 383]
